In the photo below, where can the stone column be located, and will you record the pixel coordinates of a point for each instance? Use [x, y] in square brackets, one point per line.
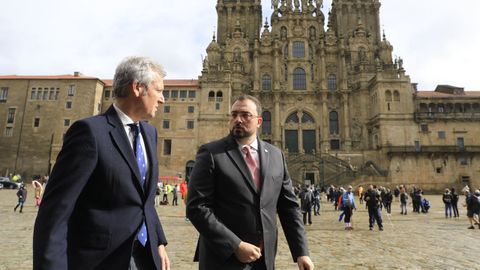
[325, 129]
[256, 68]
[346, 122]
[277, 131]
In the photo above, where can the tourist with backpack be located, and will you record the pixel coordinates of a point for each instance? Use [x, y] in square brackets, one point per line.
[348, 204]
[373, 200]
[447, 200]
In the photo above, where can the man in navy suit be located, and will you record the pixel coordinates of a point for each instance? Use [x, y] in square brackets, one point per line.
[238, 186]
[98, 208]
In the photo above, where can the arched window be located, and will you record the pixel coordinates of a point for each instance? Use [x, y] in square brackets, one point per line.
[211, 96]
[332, 82]
[299, 79]
[292, 118]
[266, 82]
[396, 95]
[267, 122]
[307, 118]
[298, 49]
[388, 96]
[219, 96]
[300, 135]
[334, 128]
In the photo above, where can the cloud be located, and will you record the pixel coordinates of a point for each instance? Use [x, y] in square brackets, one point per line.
[437, 39]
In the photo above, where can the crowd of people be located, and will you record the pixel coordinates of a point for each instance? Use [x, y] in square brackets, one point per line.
[377, 199]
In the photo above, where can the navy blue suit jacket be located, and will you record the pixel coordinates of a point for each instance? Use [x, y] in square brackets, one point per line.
[93, 203]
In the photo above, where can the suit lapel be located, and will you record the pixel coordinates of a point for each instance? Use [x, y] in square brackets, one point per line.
[120, 139]
[236, 156]
[264, 157]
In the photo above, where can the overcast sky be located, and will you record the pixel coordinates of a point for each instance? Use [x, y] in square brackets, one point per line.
[437, 39]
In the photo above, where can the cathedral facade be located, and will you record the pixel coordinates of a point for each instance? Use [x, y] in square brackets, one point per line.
[334, 99]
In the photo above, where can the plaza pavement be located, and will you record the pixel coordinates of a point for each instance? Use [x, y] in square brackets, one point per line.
[415, 241]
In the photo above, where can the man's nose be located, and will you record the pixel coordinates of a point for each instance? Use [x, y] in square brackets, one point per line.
[161, 99]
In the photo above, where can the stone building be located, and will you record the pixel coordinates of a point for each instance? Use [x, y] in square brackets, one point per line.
[342, 108]
[335, 99]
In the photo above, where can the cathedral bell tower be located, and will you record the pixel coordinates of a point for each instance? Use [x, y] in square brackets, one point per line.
[246, 13]
[345, 15]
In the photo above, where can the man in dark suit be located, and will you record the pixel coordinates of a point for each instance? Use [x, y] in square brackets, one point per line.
[98, 208]
[236, 189]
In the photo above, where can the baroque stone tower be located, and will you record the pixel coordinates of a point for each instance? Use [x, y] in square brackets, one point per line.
[318, 83]
[334, 99]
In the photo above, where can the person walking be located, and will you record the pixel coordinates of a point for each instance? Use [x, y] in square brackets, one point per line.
[403, 201]
[98, 208]
[454, 203]
[238, 186]
[22, 197]
[388, 198]
[348, 205]
[373, 201]
[360, 194]
[472, 203]
[316, 201]
[306, 202]
[175, 195]
[447, 200]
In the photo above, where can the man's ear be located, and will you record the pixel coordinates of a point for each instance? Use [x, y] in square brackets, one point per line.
[137, 89]
[260, 121]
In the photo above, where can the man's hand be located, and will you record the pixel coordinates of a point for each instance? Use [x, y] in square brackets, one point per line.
[164, 260]
[304, 263]
[247, 253]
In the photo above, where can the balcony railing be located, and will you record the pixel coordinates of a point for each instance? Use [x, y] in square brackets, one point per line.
[471, 116]
[432, 149]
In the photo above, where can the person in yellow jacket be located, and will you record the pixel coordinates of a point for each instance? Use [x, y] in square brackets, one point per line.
[360, 194]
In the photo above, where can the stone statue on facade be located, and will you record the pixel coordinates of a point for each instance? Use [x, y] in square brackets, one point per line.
[304, 5]
[274, 4]
[297, 4]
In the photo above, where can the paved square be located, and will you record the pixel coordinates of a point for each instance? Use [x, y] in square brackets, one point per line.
[415, 241]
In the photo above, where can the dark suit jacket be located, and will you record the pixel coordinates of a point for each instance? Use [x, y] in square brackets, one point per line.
[93, 203]
[225, 207]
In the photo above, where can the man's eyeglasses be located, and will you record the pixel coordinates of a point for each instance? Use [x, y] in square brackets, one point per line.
[246, 116]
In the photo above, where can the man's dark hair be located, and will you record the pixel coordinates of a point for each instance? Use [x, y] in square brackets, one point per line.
[252, 98]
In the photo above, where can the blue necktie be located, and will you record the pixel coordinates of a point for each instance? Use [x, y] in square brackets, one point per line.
[139, 156]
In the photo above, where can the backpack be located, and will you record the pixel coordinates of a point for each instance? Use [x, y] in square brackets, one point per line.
[346, 202]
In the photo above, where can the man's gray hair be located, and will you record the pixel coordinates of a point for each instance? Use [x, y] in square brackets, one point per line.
[135, 69]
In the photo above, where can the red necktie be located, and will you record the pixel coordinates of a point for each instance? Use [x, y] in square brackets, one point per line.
[252, 165]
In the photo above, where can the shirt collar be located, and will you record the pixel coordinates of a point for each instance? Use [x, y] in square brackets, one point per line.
[123, 117]
[253, 145]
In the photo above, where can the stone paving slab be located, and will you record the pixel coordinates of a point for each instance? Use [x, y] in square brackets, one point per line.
[415, 241]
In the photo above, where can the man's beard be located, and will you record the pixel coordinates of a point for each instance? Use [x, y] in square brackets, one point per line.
[239, 132]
